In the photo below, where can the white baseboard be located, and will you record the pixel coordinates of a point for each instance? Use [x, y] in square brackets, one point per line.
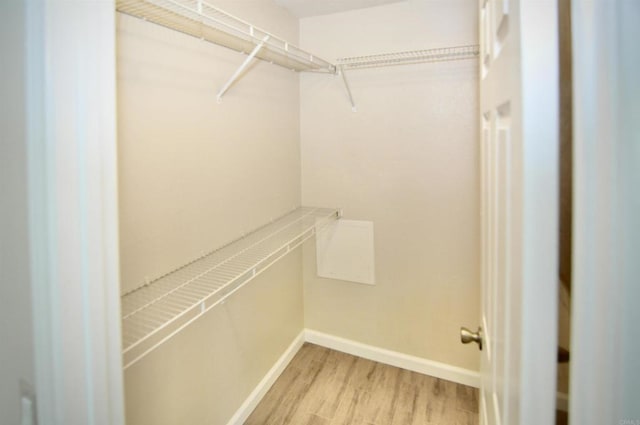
[394, 358]
[269, 379]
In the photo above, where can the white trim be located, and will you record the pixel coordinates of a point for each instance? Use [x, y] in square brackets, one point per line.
[38, 205]
[604, 372]
[394, 358]
[532, 357]
[72, 185]
[265, 384]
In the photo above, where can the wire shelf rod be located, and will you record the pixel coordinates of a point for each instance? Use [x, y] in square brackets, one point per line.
[203, 20]
[185, 300]
[159, 314]
[412, 56]
[184, 295]
[213, 281]
[237, 246]
[225, 261]
[200, 291]
[221, 300]
[153, 324]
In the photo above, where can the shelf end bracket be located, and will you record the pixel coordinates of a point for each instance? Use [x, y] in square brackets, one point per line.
[346, 85]
[241, 69]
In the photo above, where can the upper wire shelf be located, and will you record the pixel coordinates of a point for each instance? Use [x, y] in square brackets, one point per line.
[200, 19]
[160, 309]
[411, 57]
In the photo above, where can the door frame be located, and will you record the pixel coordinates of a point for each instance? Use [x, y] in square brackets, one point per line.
[605, 346]
[539, 267]
[73, 211]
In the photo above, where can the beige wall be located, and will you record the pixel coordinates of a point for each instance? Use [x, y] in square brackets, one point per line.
[407, 160]
[16, 335]
[204, 373]
[195, 175]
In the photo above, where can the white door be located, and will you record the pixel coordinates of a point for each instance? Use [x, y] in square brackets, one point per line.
[519, 144]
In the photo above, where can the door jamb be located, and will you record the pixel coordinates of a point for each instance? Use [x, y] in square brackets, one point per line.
[73, 213]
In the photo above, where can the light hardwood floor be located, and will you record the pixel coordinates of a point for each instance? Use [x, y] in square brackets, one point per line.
[326, 387]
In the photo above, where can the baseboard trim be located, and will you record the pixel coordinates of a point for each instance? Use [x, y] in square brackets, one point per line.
[394, 358]
[242, 414]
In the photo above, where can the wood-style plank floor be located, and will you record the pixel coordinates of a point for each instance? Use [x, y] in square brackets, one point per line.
[326, 387]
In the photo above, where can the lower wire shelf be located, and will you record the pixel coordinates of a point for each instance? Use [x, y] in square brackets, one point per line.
[160, 309]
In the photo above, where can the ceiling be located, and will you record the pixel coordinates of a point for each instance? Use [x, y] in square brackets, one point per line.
[306, 8]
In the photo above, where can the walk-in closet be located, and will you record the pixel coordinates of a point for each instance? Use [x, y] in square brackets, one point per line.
[359, 125]
[366, 134]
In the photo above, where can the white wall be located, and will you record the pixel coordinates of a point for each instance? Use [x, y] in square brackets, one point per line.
[407, 160]
[195, 175]
[16, 335]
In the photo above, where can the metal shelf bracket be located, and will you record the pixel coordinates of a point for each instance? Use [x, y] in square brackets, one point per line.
[241, 69]
[346, 85]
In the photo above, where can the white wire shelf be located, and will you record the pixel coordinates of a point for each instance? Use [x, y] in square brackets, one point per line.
[158, 310]
[410, 57]
[202, 20]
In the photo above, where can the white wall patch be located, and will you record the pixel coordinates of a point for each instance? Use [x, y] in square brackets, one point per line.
[344, 251]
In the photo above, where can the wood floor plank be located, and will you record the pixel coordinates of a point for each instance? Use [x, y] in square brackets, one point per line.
[316, 420]
[440, 407]
[421, 401]
[274, 398]
[288, 405]
[352, 407]
[327, 387]
[406, 404]
[319, 389]
[383, 395]
[364, 373]
[307, 353]
[467, 398]
[464, 417]
[308, 391]
[335, 388]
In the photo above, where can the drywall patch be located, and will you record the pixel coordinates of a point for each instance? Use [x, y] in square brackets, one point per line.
[345, 251]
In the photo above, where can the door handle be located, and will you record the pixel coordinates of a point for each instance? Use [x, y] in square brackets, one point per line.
[466, 336]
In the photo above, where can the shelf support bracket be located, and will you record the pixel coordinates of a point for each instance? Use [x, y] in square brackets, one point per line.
[346, 85]
[241, 69]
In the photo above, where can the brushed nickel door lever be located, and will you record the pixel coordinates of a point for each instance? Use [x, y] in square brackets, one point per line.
[466, 336]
